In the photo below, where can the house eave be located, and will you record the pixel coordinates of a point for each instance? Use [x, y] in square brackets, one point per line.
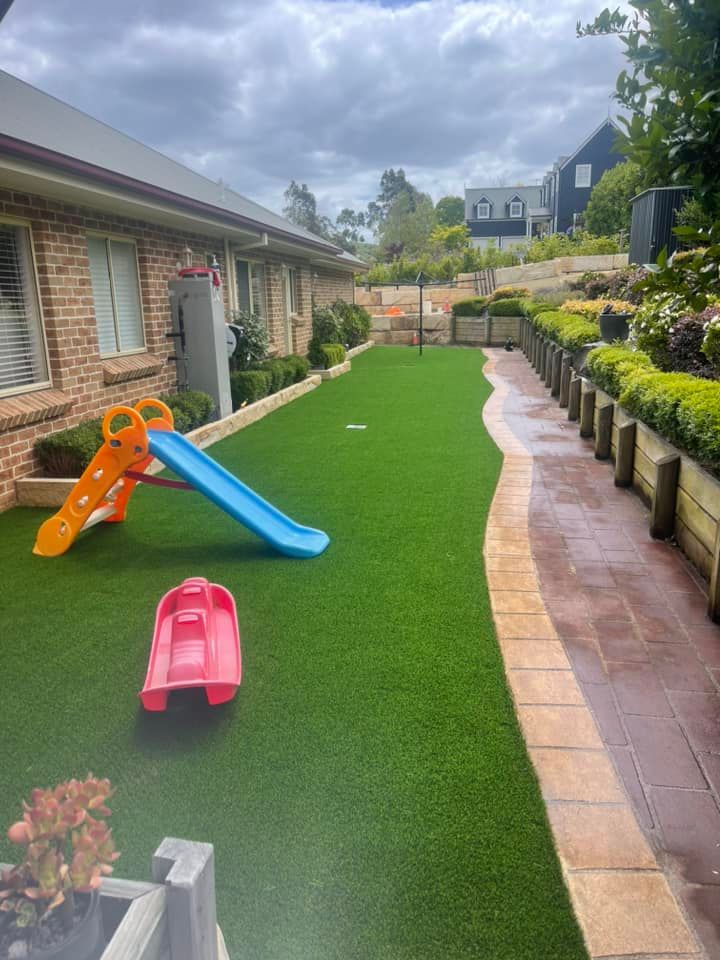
[100, 181]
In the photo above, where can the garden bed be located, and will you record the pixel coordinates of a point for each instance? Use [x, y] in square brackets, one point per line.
[52, 491]
[332, 372]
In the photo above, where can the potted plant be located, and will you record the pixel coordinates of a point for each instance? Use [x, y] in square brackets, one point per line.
[613, 326]
[50, 901]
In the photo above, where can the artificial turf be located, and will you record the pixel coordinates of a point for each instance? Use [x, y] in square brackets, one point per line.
[368, 790]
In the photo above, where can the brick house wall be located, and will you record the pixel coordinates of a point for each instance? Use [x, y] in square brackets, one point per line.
[84, 385]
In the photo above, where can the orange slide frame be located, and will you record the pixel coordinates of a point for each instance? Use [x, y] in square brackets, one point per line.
[102, 492]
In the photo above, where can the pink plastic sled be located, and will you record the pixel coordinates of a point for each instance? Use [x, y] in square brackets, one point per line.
[196, 643]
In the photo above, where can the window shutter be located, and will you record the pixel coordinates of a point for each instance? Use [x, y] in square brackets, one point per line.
[22, 354]
[102, 295]
[127, 295]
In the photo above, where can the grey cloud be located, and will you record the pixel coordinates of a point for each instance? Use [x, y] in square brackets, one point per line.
[326, 91]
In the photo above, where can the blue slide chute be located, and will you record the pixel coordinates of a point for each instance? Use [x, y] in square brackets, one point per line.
[234, 497]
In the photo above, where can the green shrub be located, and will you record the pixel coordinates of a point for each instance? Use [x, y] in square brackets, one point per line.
[473, 307]
[509, 307]
[299, 367]
[247, 386]
[656, 398]
[610, 367]
[325, 325]
[191, 409]
[567, 329]
[355, 322]
[68, 452]
[252, 338]
[531, 308]
[332, 354]
[698, 426]
[650, 327]
[280, 373]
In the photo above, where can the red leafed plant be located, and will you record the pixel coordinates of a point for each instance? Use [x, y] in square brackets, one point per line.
[67, 850]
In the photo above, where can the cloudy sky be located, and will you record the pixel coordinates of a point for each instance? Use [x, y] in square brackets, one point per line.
[330, 92]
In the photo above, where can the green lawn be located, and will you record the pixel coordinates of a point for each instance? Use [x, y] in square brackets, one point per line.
[368, 791]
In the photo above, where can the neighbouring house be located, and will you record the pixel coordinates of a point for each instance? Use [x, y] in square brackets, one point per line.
[508, 217]
[93, 225]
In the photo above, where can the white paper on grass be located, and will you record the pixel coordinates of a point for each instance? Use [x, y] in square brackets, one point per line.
[356, 426]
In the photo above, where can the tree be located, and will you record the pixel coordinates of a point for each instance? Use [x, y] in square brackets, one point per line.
[408, 224]
[450, 211]
[301, 209]
[608, 210]
[450, 239]
[393, 184]
[349, 227]
[671, 91]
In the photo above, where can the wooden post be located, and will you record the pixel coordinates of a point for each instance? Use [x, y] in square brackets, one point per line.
[555, 372]
[574, 397]
[714, 593]
[539, 354]
[488, 331]
[662, 510]
[603, 434]
[534, 349]
[625, 455]
[188, 871]
[549, 350]
[565, 378]
[587, 413]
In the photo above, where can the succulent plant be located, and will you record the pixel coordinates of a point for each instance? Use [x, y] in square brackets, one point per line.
[67, 850]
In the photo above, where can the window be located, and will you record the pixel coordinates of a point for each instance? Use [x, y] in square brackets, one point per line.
[516, 208]
[483, 210]
[116, 291]
[292, 290]
[583, 174]
[250, 277]
[23, 362]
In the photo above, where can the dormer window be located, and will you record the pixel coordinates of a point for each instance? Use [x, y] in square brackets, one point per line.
[516, 208]
[482, 209]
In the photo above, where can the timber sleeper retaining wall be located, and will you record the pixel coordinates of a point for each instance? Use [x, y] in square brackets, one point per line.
[684, 499]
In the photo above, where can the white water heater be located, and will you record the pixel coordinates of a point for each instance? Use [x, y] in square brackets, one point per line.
[199, 333]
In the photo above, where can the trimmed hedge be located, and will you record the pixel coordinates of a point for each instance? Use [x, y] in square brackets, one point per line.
[531, 308]
[683, 408]
[248, 386]
[473, 307]
[333, 354]
[505, 308]
[610, 367]
[299, 366]
[281, 373]
[68, 452]
[509, 292]
[566, 329]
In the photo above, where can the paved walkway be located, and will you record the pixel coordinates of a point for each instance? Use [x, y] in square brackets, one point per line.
[615, 671]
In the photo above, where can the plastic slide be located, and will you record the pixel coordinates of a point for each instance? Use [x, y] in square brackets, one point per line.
[234, 497]
[103, 491]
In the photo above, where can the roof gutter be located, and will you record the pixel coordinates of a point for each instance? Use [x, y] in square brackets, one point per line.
[90, 171]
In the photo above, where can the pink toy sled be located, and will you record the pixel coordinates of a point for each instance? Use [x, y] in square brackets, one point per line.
[196, 643]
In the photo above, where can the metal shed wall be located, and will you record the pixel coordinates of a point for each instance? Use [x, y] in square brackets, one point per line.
[653, 218]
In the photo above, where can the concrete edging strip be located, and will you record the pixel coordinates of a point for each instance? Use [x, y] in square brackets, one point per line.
[621, 897]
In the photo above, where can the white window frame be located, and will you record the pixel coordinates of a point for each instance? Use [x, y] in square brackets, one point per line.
[120, 238]
[35, 284]
[583, 172]
[482, 209]
[291, 280]
[250, 261]
[516, 204]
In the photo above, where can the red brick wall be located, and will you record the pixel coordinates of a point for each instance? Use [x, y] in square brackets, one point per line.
[59, 238]
[59, 233]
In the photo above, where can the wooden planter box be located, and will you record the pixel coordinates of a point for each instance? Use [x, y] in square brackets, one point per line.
[171, 919]
[486, 330]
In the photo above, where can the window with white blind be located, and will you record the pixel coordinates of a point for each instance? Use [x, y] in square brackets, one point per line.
[23, 361]
[250, 277]
[116, 292]
[583, 174]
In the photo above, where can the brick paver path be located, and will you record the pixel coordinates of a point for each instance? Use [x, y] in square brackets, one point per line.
[630, 612]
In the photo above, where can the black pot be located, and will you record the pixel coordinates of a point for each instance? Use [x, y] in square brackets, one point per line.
[614, 326]
[86, 941]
